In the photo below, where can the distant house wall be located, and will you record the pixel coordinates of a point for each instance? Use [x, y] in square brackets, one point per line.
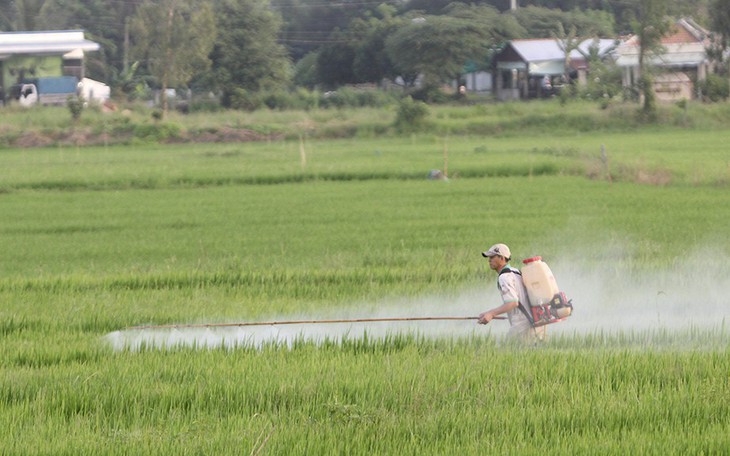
[510, 83]
[478, 81]
[673, 87]
[510, 73]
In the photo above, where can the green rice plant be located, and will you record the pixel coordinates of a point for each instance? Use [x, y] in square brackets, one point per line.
[403, 393]
[681, 157]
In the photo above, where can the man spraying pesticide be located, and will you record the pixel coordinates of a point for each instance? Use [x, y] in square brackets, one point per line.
[531, 298]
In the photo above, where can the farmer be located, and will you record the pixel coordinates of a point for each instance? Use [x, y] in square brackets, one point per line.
[514, 296]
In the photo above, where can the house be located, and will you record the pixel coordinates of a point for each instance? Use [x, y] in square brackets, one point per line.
[26, 55]
[682, 60]
[529, 68]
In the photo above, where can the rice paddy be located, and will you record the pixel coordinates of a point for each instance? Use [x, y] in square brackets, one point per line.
[98, 240]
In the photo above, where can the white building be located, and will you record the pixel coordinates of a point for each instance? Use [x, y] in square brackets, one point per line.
[682, 60]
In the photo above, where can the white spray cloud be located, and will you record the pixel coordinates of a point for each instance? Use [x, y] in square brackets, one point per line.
[692, 293]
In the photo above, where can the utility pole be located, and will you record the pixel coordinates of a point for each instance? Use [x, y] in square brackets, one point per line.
[169, 54]
[125, 51]
[513, 5]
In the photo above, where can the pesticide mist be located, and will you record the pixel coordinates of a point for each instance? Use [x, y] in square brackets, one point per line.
[672, 307]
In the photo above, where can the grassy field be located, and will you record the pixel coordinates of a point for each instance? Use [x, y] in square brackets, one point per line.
[684, 157]
[139, 125]
[95, 240]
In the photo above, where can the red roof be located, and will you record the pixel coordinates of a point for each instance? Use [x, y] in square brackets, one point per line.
[683, 31]
[679, 34]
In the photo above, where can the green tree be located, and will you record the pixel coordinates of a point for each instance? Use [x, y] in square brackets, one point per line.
[305, 71]
[438, 47]
[372, 63]
[106, 22]
[173, 39]
[568, 42]
[650, 26]
[307, 24]
[334, 64]
[498, 27]
[358, 54]
[542, 22]
[435, 46]
[721, 25]
[434, 7]
[246, 54]
[24, 15]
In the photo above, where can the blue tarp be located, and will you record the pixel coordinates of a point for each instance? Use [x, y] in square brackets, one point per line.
[61, 84]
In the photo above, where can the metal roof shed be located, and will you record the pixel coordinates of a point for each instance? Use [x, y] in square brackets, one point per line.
[45, 43]
[41, 54]
[521, 62]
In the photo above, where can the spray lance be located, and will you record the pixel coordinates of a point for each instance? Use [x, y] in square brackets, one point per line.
[299, 322]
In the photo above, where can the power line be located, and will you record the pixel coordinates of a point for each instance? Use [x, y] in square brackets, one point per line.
[295, 41]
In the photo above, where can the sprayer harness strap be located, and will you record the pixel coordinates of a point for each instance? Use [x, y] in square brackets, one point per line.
[519, 304]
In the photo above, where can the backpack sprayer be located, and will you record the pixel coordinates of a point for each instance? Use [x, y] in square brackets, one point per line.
[547, 303]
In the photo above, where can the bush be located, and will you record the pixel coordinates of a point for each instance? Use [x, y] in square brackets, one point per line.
[715, 88]
[362, 97]
[332, 99]
[205, 106]
[282, 100]
[345, 97]
[240, 98]
[157, 132]
[431, 94]
[411, 115]
[602, 83]
[564, 95]
[278, 99]
[75, 106]
[306, 99]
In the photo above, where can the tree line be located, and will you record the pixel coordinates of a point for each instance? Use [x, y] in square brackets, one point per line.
[237, 47]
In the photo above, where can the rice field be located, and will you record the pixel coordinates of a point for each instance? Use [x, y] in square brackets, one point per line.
[96, 240]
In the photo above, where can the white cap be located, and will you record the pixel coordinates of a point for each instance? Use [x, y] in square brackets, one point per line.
[498, 249]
